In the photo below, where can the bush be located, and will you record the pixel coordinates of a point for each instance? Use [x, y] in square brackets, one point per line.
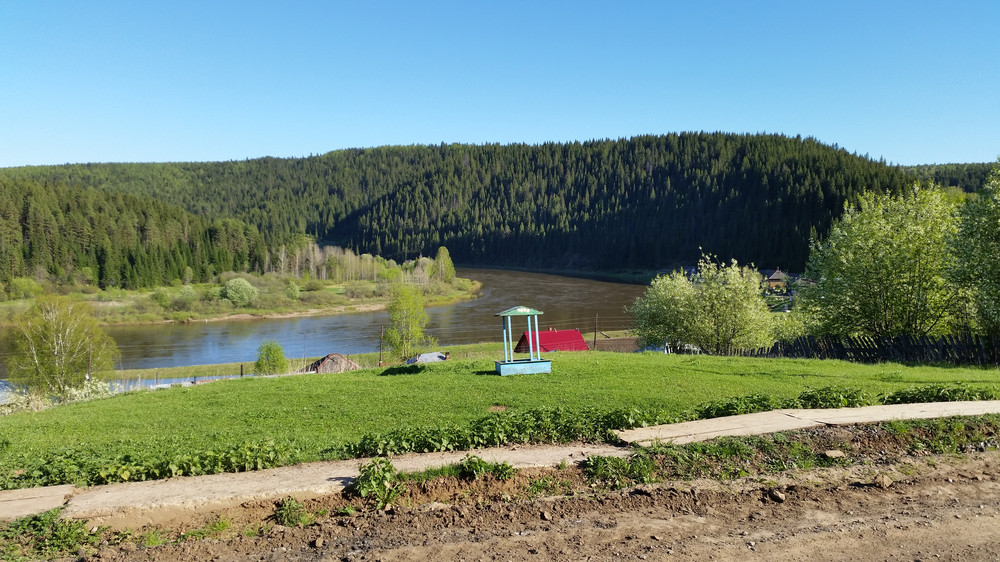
[240, 292]
[832, 397]
[24, 288]
[315, 285]
[378, 480]
[270, 359]
[737, 405]
[292, 290]
[185, 299]
[940, 393]
[290, 513]
[359, 290]
[614, 472]
[161, 298]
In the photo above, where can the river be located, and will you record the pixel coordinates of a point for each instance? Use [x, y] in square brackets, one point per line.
[566, 303]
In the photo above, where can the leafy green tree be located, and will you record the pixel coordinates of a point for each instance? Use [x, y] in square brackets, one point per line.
[977, 249]
[444, 269]
[240, 292]
[663, 315]
[720, 309]
[57, 345]
[270, 359]
[407, 317]
[882, 269]
[24, 288]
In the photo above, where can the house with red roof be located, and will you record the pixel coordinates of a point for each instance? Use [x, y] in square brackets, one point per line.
[554, 340]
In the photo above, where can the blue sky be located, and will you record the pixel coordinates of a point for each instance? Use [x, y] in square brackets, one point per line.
[912, 82]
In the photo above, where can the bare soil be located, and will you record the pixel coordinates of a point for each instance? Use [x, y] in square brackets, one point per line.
[890, 507]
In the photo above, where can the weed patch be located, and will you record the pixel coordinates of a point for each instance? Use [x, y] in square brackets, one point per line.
[45, 536]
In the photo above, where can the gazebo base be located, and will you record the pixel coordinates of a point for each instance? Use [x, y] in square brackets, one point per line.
[505, 368]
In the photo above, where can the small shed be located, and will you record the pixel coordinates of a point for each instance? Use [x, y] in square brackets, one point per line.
[332, 363]
[554, 340]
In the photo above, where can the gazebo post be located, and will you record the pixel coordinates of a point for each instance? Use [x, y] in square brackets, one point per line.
[538, 341]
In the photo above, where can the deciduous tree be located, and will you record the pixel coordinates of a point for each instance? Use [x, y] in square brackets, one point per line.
[882, 270]
[57, 345]
[977, 249]
[720, 309]
[405, 336]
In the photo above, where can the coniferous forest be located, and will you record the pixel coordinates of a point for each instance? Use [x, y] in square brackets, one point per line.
[650, 202]
[115, 239]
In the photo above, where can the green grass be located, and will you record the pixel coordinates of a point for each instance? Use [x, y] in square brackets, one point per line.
[314, 413]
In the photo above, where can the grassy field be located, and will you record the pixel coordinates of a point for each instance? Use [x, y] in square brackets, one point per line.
[315, 412]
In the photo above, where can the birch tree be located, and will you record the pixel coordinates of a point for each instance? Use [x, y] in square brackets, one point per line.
[57, 346]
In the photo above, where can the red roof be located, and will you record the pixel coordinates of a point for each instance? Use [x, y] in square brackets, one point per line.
[553, 340]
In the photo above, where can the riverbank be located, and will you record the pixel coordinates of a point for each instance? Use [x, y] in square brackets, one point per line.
[204, 303]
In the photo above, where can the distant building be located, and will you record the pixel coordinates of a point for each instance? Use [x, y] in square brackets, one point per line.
[777, 280]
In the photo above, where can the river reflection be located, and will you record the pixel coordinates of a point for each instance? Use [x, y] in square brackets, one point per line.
[566, 302]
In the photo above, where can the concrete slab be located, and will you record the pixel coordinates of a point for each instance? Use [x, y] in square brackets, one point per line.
[871, 414]
[702, 430]
[15, 504]
[148, 502]
[786, 420]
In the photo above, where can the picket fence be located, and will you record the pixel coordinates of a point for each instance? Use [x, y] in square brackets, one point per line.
[956, 350]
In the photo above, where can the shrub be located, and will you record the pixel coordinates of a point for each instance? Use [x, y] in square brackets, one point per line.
[940, 393]
[832, 397]
[615, 472]
[292, 290]
[240, 292]
[24, 288]
[359, 290]
[737, 405]
[161, 298]
[378, 480]
[270, 359]
[185, 299]
[290, 513]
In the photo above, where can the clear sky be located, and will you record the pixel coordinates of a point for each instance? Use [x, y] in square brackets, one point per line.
[913, 82]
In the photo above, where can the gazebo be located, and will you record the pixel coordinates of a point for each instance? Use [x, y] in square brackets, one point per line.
[534, 363]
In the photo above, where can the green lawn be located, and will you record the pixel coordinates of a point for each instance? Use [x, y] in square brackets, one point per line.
[315, 412]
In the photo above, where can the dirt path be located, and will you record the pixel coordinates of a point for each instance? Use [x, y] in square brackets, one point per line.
[945, 509]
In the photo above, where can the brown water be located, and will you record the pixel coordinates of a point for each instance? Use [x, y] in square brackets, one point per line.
[566, 302]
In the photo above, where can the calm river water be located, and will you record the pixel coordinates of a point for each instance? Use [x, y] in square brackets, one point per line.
[566, 302]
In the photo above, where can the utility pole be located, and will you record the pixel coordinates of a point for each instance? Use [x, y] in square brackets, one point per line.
[381, 336]
[596, 316]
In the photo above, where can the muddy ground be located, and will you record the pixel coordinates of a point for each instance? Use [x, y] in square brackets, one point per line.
[890, 507]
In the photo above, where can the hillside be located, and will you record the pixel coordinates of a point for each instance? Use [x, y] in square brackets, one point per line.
[640, 203]
[967, 177]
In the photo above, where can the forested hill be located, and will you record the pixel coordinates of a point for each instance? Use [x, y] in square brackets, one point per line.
[967, 177]
[644, 202]
[115, 239]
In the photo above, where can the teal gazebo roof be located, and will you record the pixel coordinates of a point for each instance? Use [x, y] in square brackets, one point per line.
[519, 311]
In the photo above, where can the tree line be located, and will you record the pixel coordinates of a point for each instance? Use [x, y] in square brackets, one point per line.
[83, 236]
[645, 202]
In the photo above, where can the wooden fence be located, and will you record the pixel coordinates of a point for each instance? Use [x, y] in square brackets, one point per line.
[957, 350]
